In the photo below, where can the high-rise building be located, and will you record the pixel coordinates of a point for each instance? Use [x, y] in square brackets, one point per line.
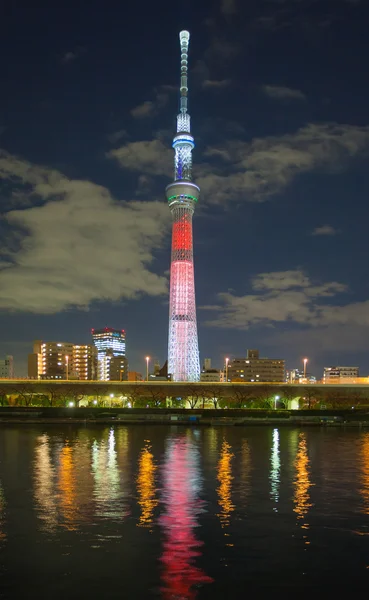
[84, 362]
[62, 360]
[182, 196]
[336, 374]
[7, 367]
[111, 354]
[256, 369]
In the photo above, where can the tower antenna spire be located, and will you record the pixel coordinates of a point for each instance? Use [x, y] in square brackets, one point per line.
[184, 38]
[182, 196]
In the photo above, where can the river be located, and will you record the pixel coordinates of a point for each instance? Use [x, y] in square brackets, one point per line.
[144, 512]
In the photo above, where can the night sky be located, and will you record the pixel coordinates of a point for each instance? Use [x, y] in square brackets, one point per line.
[279, 111]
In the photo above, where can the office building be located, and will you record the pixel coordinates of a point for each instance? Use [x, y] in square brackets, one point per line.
[337, 374]
[111, 354]
[208, 374]
[7, 367]
[256, 369]
[297, 376]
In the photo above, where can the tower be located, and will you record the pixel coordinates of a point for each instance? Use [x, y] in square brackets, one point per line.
[182, 196]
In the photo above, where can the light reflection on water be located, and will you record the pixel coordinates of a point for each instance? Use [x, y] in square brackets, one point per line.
[225, 484]
[302, 485]
[2, 513]
[67, 488]
[108, 494]
[44, 485]
[365, 473]
[146, 486]
[175, 502]
[182, 506]
[275, 467]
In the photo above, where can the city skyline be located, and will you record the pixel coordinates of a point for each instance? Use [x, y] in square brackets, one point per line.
[279, 99]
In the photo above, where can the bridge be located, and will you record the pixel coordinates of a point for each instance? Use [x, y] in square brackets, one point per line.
[162, 393]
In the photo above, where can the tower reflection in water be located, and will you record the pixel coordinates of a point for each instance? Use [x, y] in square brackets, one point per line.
[225, 485]
[302, 485]
[146, 486]
[181, 487]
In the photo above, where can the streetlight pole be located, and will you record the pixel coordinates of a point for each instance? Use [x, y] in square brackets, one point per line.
[66, 365]
[305, 363]
[275, 402]
[226, 369]
[147, 367]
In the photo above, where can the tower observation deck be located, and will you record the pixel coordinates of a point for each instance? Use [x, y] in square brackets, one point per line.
[182, 196]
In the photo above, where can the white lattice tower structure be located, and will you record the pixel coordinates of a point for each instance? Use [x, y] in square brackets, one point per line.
[182, 195]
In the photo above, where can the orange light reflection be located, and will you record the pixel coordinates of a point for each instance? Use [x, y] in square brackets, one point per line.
[146, 486]
[302, 483]
[365, 473]
[225, 488]
[67, 488]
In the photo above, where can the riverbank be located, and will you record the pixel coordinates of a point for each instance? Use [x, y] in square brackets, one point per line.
[181, 417]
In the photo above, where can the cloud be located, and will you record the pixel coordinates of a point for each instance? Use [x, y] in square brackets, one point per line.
[70, 56]
[146, 157]
[287, 297]
[279, 92]
[325, 230]
[150, 108]
[214, 84]
[255, 170]
[146, 109]
[80, 246]
[114, 137]
[228, 7]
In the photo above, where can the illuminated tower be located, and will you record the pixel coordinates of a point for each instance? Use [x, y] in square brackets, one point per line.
[182, 195]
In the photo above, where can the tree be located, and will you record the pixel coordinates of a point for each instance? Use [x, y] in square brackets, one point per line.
[157, 396]
[52, 394]
[266, 394]
[193, 396]
[4, 391]
[355, 397]
[287, 393]
[26, 392]
[99, 392]
[334, 398]
[78, 393]
[240, 395]
[213, 394]
[311, 394]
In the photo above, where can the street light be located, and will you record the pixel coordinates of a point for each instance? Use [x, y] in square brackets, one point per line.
[275, 402]
[305, 363]
[66, 364]
[147, 367]
[226, 369]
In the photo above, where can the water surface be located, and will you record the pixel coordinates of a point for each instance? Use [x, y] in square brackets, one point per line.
[174, 513]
